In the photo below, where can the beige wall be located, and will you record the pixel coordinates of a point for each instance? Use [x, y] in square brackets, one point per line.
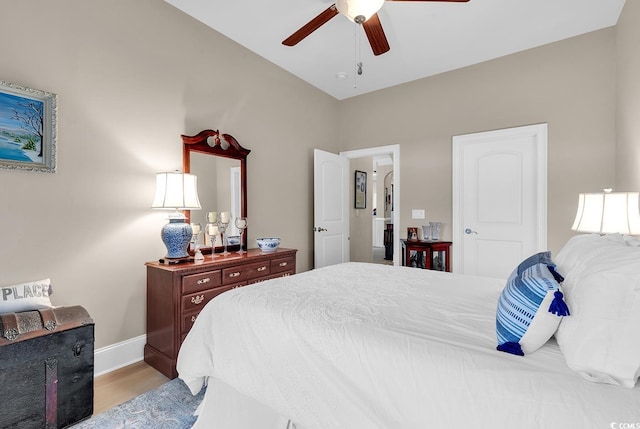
[568, 84]
[131, 77]
[360, 220]
[628, 99]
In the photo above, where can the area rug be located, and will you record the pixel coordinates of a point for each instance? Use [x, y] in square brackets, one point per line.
[169, 406]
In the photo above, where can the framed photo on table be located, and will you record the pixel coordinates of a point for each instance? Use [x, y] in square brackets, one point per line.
[28, 128]
[361, 190]
[412, 233]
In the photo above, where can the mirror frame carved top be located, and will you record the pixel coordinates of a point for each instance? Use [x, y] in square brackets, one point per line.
[212, 142]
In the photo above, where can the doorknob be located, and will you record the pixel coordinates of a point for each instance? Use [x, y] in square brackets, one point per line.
[319, 229]
[469, 231]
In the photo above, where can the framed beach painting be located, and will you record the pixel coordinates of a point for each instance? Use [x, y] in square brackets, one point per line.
[28, 128]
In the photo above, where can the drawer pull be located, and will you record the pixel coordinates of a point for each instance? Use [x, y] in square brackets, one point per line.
[262, 268]
[203, 281]
[236, 274]
[193, 319]
[283, 264]
[197, 299]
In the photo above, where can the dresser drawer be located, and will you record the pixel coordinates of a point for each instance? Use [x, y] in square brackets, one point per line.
[245, 272]
[201, 281]
[187, 321]
[200, 299]
[272, 276]
[279, 265]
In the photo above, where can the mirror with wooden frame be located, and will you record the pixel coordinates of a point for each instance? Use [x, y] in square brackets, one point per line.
[220, 164]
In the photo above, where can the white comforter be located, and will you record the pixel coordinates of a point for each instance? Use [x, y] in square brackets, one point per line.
[369, 346]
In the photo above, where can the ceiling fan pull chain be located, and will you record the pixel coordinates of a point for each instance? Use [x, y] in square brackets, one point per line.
[355, 54]
[359, 52]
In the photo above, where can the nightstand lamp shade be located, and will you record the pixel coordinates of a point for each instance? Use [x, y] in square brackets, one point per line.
[176, 191]
[608, 213]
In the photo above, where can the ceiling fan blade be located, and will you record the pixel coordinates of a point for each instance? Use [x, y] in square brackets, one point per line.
[375, 34]
[311, 26]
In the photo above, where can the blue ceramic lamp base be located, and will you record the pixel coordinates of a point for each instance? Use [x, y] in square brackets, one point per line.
[176, 236]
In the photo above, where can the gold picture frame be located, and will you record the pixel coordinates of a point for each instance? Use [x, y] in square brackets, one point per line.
[28, 128]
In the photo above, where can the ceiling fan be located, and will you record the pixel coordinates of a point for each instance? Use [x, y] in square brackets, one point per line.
[363, 12]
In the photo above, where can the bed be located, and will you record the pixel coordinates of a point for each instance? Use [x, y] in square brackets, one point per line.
[360, 345]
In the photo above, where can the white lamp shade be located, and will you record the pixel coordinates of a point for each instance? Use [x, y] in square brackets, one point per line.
[178, 191]
[353, 8]
[608, 213]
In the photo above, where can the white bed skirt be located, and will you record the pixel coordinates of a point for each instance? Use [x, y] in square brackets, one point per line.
[225, 407]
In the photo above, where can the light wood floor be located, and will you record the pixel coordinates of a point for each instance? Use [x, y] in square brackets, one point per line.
[123, 384]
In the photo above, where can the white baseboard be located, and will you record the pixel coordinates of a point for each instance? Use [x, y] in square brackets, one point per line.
[110, 358]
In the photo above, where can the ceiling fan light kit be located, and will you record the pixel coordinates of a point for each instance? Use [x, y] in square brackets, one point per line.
[359, 11]
[363, 12]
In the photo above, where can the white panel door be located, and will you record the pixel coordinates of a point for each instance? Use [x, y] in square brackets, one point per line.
[330, 209]
[499, 187]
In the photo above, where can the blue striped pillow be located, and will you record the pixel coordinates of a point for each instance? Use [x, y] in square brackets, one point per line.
[530, 307]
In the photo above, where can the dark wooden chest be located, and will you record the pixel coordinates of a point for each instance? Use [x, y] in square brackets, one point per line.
[46, 368]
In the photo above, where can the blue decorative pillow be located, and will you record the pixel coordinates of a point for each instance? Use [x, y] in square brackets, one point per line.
[530, 307]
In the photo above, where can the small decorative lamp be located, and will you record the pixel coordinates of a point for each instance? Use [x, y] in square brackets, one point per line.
[177, 191]
[608, 212]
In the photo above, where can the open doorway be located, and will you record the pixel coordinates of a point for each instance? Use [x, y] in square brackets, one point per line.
[370, 230]
[382, 225]
[371, 224]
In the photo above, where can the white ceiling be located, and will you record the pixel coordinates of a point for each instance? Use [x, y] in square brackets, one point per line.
[426, 38]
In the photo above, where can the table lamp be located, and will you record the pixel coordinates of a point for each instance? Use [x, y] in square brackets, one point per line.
[176, 191]
[608, 213]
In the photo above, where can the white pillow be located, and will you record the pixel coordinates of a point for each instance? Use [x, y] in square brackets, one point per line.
[601, 339]
[25, 296]
[585, 246]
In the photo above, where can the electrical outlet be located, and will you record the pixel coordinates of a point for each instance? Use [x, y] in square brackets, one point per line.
[417, 214]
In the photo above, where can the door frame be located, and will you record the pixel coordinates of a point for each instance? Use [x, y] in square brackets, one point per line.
[394, 151]
[541, 133]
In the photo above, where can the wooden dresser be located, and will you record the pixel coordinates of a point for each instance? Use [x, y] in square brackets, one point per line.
[177, 293]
